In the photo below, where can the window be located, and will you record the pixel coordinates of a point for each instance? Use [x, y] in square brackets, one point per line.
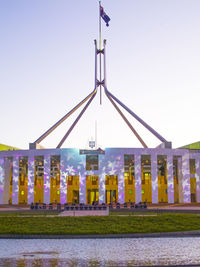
[94, 180]
[92, 162]
[129, 164]
[70, 180]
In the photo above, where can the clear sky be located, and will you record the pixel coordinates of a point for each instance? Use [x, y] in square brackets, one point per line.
[47, 67]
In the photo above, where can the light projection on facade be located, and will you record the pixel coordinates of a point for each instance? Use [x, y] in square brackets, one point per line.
[118, 175]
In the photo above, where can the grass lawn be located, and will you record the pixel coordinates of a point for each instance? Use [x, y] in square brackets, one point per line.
[98, 225]
[26, 213]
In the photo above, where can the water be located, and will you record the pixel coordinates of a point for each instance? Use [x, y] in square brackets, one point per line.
[100, 252]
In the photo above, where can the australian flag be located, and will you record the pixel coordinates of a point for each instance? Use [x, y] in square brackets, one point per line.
[104, 16]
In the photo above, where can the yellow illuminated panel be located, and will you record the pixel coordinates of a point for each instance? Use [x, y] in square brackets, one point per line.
[129, 187]
[39, 179]
[146, 188]
[73, 189]
[55, 180]
[111, 186]
[92, 189]
[129, 178]
[162, 179]
[193, 189]
[23, 180]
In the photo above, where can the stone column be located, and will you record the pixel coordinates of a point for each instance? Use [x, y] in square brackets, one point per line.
[6, 187]
[138, 187]
[101, 188]
[121, 187]
[15, 186]
[170, 179]
[82, 188]
[2, 178]
[154, 178]
[186, 178]
[63, 179]
[180, 180]
[31, 179]
[197, 175]
[47, 162]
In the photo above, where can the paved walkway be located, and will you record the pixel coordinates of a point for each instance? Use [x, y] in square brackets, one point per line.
[85, 213]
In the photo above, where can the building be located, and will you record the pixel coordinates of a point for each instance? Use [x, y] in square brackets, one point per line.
[155, 175]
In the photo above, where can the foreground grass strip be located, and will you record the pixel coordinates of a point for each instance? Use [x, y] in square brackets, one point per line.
[99, 225]
[14, 214]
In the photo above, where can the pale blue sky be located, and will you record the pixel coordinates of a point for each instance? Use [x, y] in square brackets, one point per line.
[47, 67]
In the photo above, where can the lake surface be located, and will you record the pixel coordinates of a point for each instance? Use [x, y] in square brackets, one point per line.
[100, 252]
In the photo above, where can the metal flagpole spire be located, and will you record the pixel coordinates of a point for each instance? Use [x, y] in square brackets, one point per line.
[100, 49]
[99, 82]
[99, 24]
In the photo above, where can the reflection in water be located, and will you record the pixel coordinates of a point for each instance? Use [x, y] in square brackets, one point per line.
[99, 252]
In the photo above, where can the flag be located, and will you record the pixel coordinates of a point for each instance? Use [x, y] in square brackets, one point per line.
[104, 16]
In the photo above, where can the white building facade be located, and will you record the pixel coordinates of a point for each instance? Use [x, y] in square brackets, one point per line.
[112, 175]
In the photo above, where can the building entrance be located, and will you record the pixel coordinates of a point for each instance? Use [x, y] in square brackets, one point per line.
[111, 186]
[73, 189]
[129, 178]
[55, 180]
[92, 189]
[23, 180]
[162, 179]
[111, 196]
[39, 179]
[92, 196]
[146, 178]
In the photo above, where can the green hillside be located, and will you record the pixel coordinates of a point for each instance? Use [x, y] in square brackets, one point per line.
[195, 145]
[5, 147]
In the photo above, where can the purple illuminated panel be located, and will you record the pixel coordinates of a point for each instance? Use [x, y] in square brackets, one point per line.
[1, 180]
[170, 179]
[180, 179]
[197, 175]
[110, 163]
[121, 185]
[101, 189]
[138, 188]
[30, 179]
[101, 180]
[121, 193]
[15, 186]
[63, 178]
[47, 179]
[82, 188]
[154, 178]
[72, 163]
[186, 178]
[114, 165]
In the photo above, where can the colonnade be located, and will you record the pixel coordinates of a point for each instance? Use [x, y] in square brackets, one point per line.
[109, 163]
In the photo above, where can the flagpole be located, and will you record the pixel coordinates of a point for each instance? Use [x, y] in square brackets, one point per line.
[100, 25]
[100, 47]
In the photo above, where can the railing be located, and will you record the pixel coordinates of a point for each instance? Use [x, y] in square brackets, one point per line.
[81, 206]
